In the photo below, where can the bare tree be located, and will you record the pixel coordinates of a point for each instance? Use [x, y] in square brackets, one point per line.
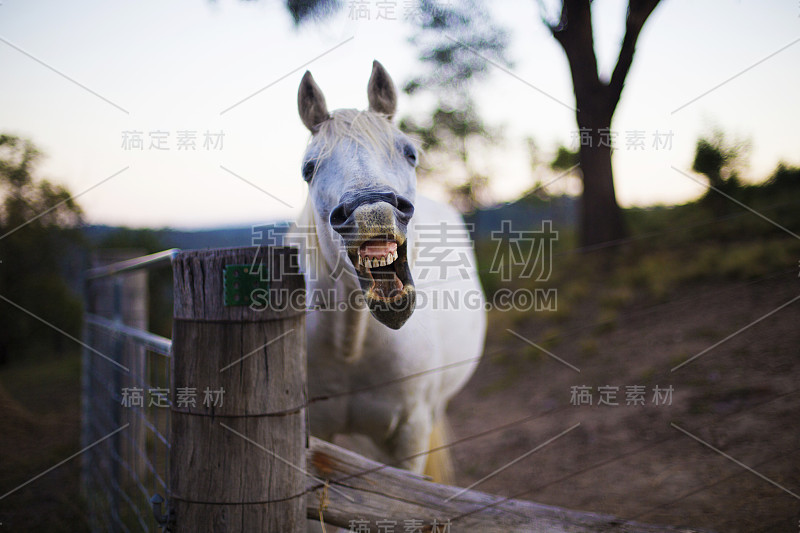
[595, 102]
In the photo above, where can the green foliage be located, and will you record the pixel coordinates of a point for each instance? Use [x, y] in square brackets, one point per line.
[39, 236]
[467, 196]
[720, 162]
[456, 43]
[302, 10]
[447, 129]
[709, 159]
[718, 159]
[448, 135]
[565, 159]
[688, 243]
[784, 179]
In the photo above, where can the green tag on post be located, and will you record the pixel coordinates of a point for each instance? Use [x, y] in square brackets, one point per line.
[241, 281]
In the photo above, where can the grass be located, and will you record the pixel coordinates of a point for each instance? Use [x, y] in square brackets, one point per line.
[39, 398]
[670, 245]
[43, 386]
[669, 249]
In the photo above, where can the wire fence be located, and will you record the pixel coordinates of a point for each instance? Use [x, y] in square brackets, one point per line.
[125, 397]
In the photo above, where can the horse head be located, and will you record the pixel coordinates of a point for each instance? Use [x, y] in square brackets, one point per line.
[361, 173]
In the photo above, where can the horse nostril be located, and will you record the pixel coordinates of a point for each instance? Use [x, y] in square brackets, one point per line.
[339, 215]
[404, 206]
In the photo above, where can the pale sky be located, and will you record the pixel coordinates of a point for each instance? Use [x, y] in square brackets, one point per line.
[180, 66]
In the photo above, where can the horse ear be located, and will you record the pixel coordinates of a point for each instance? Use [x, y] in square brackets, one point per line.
[311, 103]
[381, 92]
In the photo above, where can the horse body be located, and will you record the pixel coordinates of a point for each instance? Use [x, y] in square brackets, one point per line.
[350, 351]
[385, 363]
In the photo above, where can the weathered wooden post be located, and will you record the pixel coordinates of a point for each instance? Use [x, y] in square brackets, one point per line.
[237, 457]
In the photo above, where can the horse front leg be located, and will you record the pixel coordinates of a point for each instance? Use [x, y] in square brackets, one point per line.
[410, 441]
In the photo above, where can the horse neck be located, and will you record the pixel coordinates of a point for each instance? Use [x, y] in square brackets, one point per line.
[346, 329]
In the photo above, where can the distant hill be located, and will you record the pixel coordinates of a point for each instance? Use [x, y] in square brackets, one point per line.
[197, 239]
[526, 213]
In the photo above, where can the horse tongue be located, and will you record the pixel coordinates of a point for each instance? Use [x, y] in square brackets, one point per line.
[386, 284]
[377, 248]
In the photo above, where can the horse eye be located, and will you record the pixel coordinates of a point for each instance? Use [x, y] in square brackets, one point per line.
[308, 170]
[410, 154]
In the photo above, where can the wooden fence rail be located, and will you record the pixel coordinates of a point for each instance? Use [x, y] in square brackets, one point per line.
[389, 495]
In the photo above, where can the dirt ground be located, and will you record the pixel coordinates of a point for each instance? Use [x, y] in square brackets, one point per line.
[634, 461]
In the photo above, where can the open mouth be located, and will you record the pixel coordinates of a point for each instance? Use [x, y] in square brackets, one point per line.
[385, 279]
[376, 259]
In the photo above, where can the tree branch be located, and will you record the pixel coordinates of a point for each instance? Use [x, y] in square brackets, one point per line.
[638, 12]
[575, 35]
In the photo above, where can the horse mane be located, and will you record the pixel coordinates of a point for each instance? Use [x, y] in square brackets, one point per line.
[370, 130]
[304, 232]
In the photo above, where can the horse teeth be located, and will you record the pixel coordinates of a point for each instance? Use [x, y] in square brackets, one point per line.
[375, 262]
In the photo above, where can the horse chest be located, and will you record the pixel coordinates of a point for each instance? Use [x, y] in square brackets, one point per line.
[371, 394]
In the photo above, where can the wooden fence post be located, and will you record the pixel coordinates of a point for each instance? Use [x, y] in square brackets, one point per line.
[237, 458]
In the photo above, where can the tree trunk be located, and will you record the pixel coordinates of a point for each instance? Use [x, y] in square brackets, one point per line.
[600, 215]
[601, 218]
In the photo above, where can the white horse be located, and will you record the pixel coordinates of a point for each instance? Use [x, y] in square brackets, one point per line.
[365, 238]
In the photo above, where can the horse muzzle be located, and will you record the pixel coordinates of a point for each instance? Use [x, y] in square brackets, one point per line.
[374, 226]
